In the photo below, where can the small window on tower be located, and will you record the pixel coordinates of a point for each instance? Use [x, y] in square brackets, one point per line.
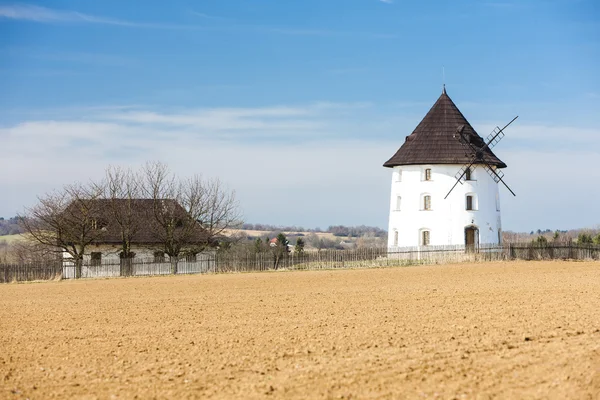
[395, 238]
[428, 174]
[399, 175]
[426, 202]
[398, 202]
[469, 202]
[425, 238]
[468, 174]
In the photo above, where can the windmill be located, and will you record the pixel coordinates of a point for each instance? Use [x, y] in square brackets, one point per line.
[477, 152]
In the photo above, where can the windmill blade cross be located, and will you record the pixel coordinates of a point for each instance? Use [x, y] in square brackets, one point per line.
[464, 171]
[495, 176]
[498, 173]
[479, 154]
[495, 136]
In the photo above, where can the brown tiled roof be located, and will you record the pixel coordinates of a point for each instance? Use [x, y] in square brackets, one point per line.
[142, 217]
[433, 141]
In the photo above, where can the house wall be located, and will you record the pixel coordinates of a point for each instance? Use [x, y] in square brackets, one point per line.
[447, 219]
[143, 263]
[110, 253]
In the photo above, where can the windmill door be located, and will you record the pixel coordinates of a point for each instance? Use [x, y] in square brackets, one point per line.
[471, 238]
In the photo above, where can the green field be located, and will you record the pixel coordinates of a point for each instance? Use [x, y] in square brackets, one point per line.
[10, 238]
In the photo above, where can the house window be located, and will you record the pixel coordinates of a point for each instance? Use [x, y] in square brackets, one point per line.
[395, 238]
[427, 202]
[159, 256]
[399, 175]
[468, 174]
[428, 174]
[425, 238]
[469, 202]
[398, 202]
[97, 224]
[96, 258]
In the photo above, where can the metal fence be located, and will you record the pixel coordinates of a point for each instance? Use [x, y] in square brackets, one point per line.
[236, 261]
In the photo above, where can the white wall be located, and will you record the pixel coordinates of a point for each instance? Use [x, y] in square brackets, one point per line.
[143, 263]
[110, 253]
[447, 218]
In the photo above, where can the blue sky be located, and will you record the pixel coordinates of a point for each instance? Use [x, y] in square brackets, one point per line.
[296, 105]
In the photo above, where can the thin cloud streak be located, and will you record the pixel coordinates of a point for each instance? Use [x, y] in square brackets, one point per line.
[27, 12]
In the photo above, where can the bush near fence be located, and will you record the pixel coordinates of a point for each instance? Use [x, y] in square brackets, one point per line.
[224, 262]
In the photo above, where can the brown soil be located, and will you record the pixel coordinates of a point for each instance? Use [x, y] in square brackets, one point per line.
[507, 330]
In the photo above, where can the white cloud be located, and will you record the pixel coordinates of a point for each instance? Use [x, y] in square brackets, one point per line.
[310, 165]
[35, 13]
[42, 14]
[28, 12]
[556, 189]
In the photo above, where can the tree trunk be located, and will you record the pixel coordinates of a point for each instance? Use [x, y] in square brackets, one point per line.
[126, 266]
[78, 267]
[173, 265]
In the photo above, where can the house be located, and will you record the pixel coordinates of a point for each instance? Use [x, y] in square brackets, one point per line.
[275, 242]
[424, 169]
[148, 226]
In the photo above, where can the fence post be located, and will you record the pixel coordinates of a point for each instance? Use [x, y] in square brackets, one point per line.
[570, 249]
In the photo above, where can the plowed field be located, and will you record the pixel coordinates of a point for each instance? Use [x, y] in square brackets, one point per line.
[507, 330]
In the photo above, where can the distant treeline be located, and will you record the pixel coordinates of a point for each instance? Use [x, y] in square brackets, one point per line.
[278, 228]
[337, 230]
[9, 226]
[584, 235]
[357, 231]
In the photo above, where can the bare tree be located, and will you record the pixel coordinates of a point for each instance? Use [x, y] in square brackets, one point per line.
[121, 190]
[31, 252]
[211, 204]
[189, 215]
[160, 185]
[65, 221]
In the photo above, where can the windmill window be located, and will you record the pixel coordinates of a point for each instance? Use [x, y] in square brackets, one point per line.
[425, 238]
[468, 174]
[427, 202]
[428, 174]
[395, 238]
[471, 202]
[398, 202]
[399, 175]
[497, 202]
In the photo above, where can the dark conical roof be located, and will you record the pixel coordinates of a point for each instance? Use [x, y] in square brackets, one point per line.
[433, 141]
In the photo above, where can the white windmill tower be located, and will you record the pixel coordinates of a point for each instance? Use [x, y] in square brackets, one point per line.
[433, 204]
